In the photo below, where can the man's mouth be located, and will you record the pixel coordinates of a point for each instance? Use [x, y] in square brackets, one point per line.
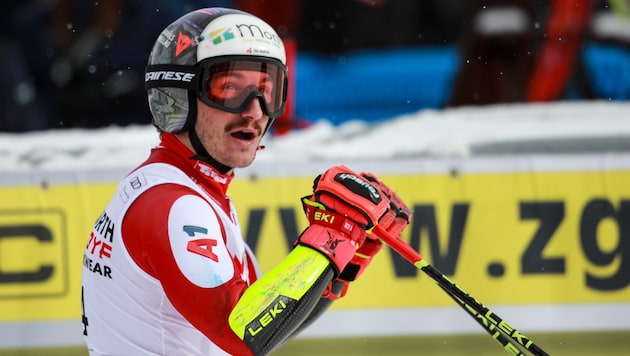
[243, 135]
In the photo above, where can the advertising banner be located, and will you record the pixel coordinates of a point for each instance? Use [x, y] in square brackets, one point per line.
[534, 231]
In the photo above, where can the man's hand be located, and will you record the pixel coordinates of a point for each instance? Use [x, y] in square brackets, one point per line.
[343, 206]
[398, 216]
[394, 221]
[361, 259]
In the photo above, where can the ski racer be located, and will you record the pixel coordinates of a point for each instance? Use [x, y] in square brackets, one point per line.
[166, 270]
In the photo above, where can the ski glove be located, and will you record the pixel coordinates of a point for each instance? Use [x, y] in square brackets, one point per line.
[394, 221]
[398, 216]
[343, 207]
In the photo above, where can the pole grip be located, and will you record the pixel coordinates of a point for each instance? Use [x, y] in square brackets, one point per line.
[398, 245]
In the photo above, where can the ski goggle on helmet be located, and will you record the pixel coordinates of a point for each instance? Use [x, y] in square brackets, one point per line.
[226, 58]
[232, 84]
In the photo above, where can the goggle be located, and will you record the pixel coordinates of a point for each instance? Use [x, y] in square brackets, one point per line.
[231, 85]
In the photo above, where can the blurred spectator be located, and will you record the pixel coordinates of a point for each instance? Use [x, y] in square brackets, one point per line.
[22, 104]
[20, 109]
[101, 54]
[558, 59]
[85, 60]
[601, 66]
[497, 52]
[100, 50]
[527, 51]
[605, 60]
[333, 26]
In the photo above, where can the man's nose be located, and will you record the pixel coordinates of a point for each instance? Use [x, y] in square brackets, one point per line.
[254, 109]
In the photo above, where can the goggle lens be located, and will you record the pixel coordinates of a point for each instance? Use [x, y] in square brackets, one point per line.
[232, 85]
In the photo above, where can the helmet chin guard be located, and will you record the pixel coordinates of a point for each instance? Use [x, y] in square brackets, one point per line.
[173, 75]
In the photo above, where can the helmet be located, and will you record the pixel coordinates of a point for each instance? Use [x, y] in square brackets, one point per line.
[198, 45]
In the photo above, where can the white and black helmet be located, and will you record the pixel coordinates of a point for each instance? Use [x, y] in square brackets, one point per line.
[202, 43]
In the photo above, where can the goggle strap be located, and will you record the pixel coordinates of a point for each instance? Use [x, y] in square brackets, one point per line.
[171, 75]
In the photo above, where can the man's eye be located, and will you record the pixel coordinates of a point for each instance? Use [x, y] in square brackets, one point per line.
[266, 89]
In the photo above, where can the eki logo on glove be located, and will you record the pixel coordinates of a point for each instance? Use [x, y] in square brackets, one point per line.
[323, 217]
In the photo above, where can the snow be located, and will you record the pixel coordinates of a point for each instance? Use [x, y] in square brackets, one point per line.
[457, 132]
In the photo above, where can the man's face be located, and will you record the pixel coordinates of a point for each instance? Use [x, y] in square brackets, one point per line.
[233, 139]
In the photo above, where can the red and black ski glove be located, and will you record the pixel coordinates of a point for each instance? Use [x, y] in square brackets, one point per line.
[393, 222]
[398, 216]
[344, 206]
